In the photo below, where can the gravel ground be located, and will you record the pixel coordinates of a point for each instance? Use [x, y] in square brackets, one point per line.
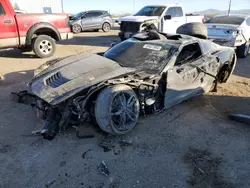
[191, 145]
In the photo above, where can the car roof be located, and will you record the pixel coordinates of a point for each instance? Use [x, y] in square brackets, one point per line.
[97, 11]
[233, 15]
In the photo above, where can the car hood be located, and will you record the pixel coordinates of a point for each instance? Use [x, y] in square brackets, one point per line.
[138, 18]
[66, 77]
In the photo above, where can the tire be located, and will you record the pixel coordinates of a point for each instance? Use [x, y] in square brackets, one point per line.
[109, 100]
[44, 46]
[198, 30]
[242, 51]
[106, 27]
[76, 28]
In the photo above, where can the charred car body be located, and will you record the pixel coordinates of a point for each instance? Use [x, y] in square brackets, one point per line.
[147, 73]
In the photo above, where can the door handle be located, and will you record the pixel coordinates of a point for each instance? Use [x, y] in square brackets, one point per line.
[7, 22]
[179, 70]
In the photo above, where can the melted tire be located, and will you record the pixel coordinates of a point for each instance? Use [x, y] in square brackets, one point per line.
[103, 108]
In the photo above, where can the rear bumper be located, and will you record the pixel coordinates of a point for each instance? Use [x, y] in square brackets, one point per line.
[229, 42]
[66, 36]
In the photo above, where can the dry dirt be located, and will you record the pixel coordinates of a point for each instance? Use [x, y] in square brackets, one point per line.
[191, 145]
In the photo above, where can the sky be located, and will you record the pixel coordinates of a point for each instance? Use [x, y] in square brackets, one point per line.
[132, 6]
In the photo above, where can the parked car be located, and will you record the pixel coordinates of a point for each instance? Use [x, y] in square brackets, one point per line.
[91, 20]
[166, 19]
[231, 30]
[37, 32]
[147, 73]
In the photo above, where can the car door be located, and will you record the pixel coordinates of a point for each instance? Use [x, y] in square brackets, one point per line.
[97, 19]
[92, 20]
[174, 17]
[183, 79]
[8, 30]
[87, 20]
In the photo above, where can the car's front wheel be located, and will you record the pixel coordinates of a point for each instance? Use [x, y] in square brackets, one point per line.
[76, 28]
[106, 27]
[117, 109]
[44, 46]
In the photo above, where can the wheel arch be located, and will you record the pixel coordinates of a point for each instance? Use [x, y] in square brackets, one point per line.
[230, 64]
[42, 28]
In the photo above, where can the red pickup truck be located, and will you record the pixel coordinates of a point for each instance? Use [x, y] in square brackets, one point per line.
[37, 32]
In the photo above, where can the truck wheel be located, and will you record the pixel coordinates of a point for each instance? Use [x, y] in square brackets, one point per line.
[44, 46]
[106, 27]
[117, 109]
[242, 51]
[76, 28]
[198, 30]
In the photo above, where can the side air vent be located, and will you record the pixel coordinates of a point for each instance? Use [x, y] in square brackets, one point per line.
[56, 80]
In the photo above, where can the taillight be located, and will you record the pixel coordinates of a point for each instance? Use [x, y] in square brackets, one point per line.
[203, 20]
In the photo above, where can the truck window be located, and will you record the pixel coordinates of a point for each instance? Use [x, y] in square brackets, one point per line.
[2, 12]
[175, 12]
[151, 11]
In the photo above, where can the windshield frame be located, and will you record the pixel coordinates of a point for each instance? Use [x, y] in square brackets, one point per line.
[139, 13]
[162, 60]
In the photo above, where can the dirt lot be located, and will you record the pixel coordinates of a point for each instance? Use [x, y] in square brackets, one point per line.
[191, 145]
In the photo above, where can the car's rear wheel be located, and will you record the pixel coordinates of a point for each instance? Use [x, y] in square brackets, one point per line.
[117, 109]
[76, 28]
[44, 46]
[243, 50]
[106, 27]
[198, 30]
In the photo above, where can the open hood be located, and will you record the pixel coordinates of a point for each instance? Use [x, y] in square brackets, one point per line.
[71, 75]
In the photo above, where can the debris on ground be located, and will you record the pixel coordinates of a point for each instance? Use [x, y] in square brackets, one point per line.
[85, 153]
[115, 143]
[240, 118]
[205, 171]
[108, 143]
[103, 169]
[47, 185]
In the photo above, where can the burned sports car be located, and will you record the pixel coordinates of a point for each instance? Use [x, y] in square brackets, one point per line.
[137, 76]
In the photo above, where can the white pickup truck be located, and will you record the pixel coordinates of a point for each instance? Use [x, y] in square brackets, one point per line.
[166, 19]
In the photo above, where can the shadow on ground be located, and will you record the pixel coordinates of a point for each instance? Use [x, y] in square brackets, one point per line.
[15, 53]
[101, 41]
[243, 67]
[16, 77]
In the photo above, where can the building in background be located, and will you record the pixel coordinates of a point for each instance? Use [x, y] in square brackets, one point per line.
[38, 6]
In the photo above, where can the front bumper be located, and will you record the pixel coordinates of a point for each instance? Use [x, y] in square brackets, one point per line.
[66, 36]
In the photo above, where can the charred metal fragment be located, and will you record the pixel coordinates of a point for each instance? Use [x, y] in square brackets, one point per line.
[240, 118]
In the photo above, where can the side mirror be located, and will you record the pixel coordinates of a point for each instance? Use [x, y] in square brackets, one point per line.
[167, 17]
[82, 17]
